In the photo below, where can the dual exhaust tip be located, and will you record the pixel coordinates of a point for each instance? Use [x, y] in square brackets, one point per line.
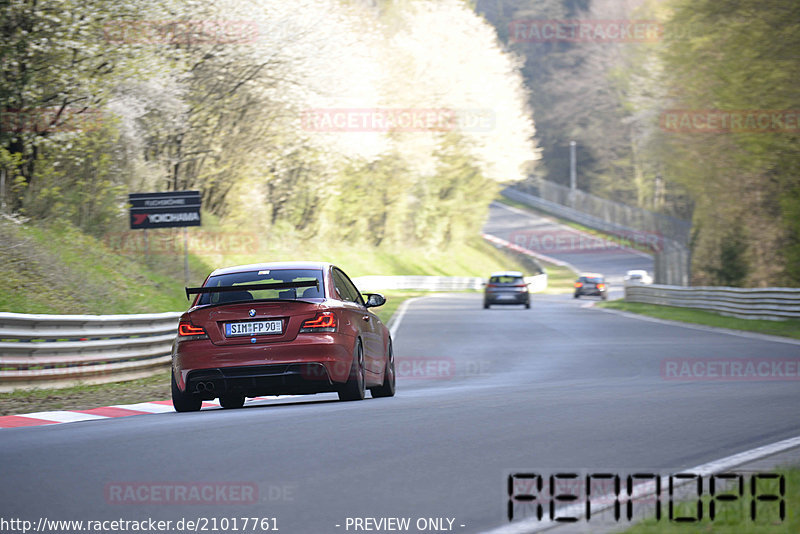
[205, 386]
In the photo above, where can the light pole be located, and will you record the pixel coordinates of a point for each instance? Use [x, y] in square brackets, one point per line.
[573, 174]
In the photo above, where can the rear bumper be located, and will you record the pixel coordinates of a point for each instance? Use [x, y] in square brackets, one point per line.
[276, 379]
[590, 292]
[311, 363]
[506, 298]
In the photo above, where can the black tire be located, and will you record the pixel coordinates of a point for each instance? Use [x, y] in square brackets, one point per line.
[184, 401]
[528, 305]
[604, 297]
[576, 295]
[388, 387]
[355, 387]
[231, 400]
[485, 305]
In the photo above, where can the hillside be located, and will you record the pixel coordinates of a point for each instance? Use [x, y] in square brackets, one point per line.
[49, 269]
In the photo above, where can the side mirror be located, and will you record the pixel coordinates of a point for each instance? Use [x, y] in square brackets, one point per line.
[374, 300]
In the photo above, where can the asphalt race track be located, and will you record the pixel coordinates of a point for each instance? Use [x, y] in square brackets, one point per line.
[482, 393]
[586, 253]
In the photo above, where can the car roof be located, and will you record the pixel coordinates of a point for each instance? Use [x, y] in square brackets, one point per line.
[637, 271]
[313, 265]
[505, 273]
[591, 275]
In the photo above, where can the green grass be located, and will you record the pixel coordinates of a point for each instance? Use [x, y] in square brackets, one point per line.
[57, 269]
[475, 258]
[735, 519]
[86, 397]
[559, 279]
[788, 328]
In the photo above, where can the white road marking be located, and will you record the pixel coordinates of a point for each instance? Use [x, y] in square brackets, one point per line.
[397, 318]
[148, 407]
[63, 416]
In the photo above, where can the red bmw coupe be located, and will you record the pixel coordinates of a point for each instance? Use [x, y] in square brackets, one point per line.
[279, 329]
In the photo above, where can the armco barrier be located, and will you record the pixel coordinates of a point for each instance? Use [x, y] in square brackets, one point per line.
[59, 350]
[62, 350]
[772, 303]
[671, 262]
[435, 283]
[417, 283]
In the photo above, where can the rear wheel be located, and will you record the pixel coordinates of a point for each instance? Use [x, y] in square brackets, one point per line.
[354, 388]
[528, 305]
[231, 401]
[576, 295]
[184, 401]
[386, 389]
[485, 305]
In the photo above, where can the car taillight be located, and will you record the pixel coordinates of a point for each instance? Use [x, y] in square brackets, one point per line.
[187, 331]
[323, 322]
[601, 286]
[491, 285]
[578, 284]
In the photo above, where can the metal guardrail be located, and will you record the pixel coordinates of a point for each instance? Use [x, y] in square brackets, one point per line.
[56, 350]
[367, 284]
[435, 283]
[601, 213]
[39, 350]
[772, 303]
[666, 235]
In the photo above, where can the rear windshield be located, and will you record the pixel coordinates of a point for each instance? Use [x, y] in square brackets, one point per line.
[591, 279]
[267, 276]
[506, 280]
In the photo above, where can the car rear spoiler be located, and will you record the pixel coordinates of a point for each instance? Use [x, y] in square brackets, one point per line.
[246, 287]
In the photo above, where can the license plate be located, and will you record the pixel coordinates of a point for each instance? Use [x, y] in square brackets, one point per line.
[253, 328]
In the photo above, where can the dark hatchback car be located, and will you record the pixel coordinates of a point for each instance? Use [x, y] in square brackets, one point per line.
[279, 329]
[591, 284]
[506, 287]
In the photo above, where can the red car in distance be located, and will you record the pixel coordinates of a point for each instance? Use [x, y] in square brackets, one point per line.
[283, 328]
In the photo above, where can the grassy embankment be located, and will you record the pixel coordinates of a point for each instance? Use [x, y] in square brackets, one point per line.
[735, 517]
[788, 328]
[60, 270]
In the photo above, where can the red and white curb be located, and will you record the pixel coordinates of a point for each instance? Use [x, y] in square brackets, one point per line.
[96, 414]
